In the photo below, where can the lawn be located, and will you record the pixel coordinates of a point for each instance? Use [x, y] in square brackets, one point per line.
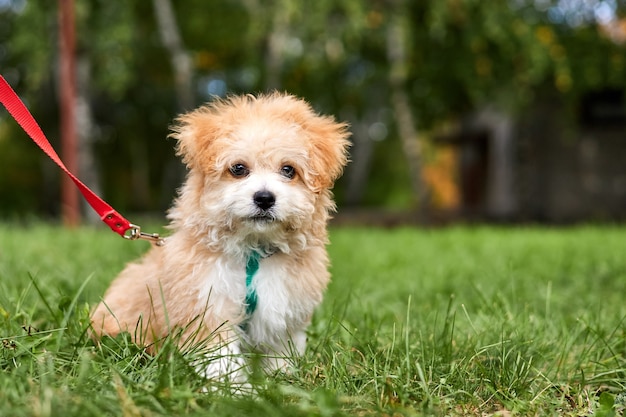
[453, 321]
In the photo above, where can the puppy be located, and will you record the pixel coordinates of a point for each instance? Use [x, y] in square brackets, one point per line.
[246, 263]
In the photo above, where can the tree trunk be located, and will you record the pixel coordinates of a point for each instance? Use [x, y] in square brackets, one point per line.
[87, 166]
[357, 172]
[70, 205]
[500, 182]
[398, 69]
[179, 57]
[277, 38]
[182, 66]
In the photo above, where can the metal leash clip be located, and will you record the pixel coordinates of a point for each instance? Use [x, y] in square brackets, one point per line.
[136, 233]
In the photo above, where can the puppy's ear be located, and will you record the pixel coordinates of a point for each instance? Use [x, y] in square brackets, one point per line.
[195, 133]
[183, 133]
[328, 150]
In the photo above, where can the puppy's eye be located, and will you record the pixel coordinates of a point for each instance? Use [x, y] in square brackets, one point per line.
[239, 170]
[288, 171]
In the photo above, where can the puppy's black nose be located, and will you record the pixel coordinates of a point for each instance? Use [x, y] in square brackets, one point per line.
[264, 199]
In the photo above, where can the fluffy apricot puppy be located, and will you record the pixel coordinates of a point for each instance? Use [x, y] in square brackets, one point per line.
[246, 264]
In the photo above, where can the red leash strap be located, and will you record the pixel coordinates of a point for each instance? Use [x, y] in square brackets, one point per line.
[112, 218]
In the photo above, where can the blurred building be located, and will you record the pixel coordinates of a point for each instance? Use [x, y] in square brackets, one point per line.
[547, 165]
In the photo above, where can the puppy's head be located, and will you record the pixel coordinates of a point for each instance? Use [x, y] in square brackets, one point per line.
[264, 161]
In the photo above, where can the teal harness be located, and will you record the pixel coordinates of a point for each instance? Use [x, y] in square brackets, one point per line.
[252, 266]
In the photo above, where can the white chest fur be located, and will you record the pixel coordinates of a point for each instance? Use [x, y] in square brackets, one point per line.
[282, 310]
[279, 310]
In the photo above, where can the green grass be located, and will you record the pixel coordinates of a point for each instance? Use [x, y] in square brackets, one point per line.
[457, 321]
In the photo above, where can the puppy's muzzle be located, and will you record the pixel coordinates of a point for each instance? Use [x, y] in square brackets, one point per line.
[264, 200]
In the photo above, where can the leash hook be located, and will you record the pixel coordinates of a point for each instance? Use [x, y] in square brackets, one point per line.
[135, 233]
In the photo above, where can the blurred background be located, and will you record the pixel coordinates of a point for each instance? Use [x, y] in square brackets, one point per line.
[502, 110]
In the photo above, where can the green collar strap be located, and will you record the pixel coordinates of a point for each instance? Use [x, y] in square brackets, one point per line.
[252, 266]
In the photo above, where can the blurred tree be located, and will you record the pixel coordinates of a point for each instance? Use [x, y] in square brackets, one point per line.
[382, 64]
[182, 65]
[179, 56]
[398, 50]
[102, 64]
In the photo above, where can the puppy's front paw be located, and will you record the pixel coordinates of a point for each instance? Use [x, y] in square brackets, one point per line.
[225, 367]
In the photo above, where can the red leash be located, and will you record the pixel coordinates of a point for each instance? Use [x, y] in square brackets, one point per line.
[112, 218]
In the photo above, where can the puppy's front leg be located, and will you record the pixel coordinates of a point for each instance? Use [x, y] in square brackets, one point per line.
[280, 357]
[224, 364]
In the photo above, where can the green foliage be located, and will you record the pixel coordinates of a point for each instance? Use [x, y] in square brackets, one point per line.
[29, 44]
[462, 54]
[106, 32]
[504, 54]
[21, 178]
[459, 321]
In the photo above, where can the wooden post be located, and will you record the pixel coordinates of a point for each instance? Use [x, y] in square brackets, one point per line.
[70, 209]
